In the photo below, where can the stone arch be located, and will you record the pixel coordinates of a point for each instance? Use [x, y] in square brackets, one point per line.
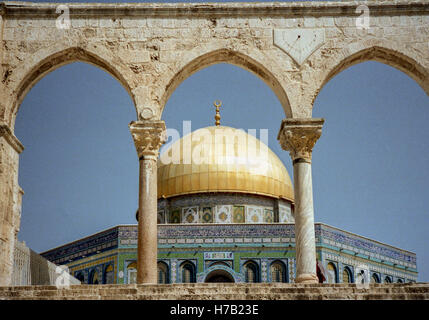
[195, 61]
[384, 52]
[48, 60]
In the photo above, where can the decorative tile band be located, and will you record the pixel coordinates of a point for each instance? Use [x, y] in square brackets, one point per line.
[223, 234]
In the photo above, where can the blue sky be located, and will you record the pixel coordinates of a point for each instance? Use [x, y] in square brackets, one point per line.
[79, 169]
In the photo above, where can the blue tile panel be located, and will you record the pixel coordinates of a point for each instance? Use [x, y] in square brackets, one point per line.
[345, 238]
[322, 232]
[102, 241]
[214, 230]
[112, 238]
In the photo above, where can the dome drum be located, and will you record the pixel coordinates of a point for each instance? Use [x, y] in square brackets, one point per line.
[224, 208]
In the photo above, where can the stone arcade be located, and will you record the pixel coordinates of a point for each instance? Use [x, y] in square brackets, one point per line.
[151, 48]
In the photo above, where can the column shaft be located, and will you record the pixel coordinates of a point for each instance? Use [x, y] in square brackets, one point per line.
[298, 136]
[304, 223]
[147, 223]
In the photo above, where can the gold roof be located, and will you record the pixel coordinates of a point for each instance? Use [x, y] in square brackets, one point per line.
[222, 159]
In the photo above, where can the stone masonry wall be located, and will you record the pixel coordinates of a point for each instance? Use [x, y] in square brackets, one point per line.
[151, 48]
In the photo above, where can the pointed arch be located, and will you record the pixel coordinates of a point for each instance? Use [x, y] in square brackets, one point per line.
[197, 62]
[347, 275]
[278, 271]
[219, 275]
[384, 53]
[54, 58]
[163, 272]
[332, 272]
[251, 271]
[188, 272]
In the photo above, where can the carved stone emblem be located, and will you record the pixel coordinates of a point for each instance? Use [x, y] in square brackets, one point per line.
[147, 113]
[299, 43]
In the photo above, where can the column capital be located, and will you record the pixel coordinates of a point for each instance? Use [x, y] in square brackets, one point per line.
[148, 137]
[298, 136]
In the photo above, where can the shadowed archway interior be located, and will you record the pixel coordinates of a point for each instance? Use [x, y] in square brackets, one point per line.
[219, 276]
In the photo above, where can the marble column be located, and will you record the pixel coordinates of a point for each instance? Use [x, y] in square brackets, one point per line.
[298, 136]
[148, 137]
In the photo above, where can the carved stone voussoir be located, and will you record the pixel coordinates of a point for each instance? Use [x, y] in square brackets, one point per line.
[298, 136]
[148, 137]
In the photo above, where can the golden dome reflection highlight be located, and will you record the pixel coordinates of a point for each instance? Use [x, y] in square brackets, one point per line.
[222, 159]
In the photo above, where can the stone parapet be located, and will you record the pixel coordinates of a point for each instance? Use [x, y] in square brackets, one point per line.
[29, 268]
[221, 291]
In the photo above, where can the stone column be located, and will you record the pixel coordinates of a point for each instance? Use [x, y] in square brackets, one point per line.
[148, 137]
[10, 201]
[298, 136]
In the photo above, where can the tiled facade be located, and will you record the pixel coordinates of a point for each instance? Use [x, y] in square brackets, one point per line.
[211, 248]
[224, 208]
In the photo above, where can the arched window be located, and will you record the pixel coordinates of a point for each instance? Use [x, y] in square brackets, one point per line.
[375, 278]
[399, 281]
[331, 269]
[251, 272]
[188, 272]
[93, 278]
[278, 272]
[163, 273]
[79, 276]
[347, 275]
[387, 279]
[109, 274]
[132, 272]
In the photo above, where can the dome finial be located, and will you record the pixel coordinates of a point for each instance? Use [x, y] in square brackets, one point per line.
[217, 104]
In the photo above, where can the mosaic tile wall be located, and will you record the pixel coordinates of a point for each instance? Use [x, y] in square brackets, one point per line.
[224, 208]
[355, 266]
[332, 244]
[92, 245]
[205, 262]
[359, 245]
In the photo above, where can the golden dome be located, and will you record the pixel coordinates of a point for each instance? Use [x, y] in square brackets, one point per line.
[222, 159]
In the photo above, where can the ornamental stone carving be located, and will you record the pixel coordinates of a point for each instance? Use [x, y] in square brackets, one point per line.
[148, 137]
[298, 136]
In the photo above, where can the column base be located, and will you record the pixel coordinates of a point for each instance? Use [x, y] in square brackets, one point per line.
[307, 278]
